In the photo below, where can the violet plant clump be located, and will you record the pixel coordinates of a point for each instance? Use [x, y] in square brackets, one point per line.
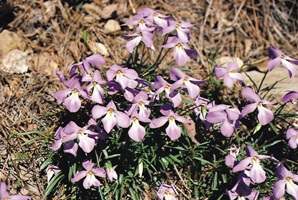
[130, 129]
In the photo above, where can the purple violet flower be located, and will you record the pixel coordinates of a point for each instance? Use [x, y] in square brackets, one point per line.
[143, 23]
[161, 85]
[111, 173]
[4, 195]
[167, 192]
[277, 57]
[97, 93]
[181, 28]
[51, 170]
[241, 190]
[137, 132]
[291, 96]
[70, 96]
[230, 159]
[286, 179]
[112, 116]
[89, 173]
[124, 76]
[265, 115]
[181, 52]
[146, 36]
[190, 83]
[256, 173]
[292, 136]
[170, 116]
[138, 103]
[95, 59]
[228, 76]
[225, 115]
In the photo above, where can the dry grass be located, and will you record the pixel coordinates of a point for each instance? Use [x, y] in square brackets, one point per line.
[244, 29]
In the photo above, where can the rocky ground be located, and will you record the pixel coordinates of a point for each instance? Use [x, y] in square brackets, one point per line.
[39, 37]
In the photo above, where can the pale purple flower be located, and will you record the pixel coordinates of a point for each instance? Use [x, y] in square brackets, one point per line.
[137, 131]
[272, 198]
[89, 174]
[291, 96]
[167, 192]
[4, 195]
[286, 179]
[242, 191]
[151, 15]
[181, 52]
[143, 23]
[138, 103]
[123, 75]
[161, 85]
[71, 147]
[277, 57]
[95, 59]
[227, 74]
[230, 159]
[62, 137]
[190, 83]
[51, 170]
[97, 92]
[172, 130]
[112, 116]
[111, 173]
[70, 96]
[87, 137]
[265, 115]
[225, 115]
[292, 136]
[181, 29]
[146, 36]
[256, 173]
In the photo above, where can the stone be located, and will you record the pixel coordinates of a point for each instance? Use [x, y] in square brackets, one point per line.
[97, 47]
[16, 61]
[111, 26]
[9, 41]
[108, 11]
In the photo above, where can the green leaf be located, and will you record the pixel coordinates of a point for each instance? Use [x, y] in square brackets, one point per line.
[258, 127]
[54, 181]
[203, 161]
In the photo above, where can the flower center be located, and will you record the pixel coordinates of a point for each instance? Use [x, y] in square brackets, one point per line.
[91, 75]
[111, 111]
[288, 179]
[141, 103]
[154, 15]
[260, 104]
[94, 83]
[142, 22]
[186, 79]
[178, 45]
[80, 132]
[171, 118]
[5, 198]
[134, 119]
[90, 173]
[255, 159]
[75, 91]
[167, 87]
[166, 192]
[119, 72]
[177, 26]
[282, 57]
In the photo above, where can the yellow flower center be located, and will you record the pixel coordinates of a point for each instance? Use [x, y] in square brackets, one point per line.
[90, 173]
[166, 192]
[91, 75]
[178, 45]
[142, 22]
[255, 159]
[141, 103]
[75, 91]
[80, 132]
[119, 72]
[111, 111]
[154, 15]
[259, 104]
[171, 118]
[288, 179]
[167, 87]
[282, 57]
[177, 26]
[94, 83]
[134, 119]
[186, 79]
